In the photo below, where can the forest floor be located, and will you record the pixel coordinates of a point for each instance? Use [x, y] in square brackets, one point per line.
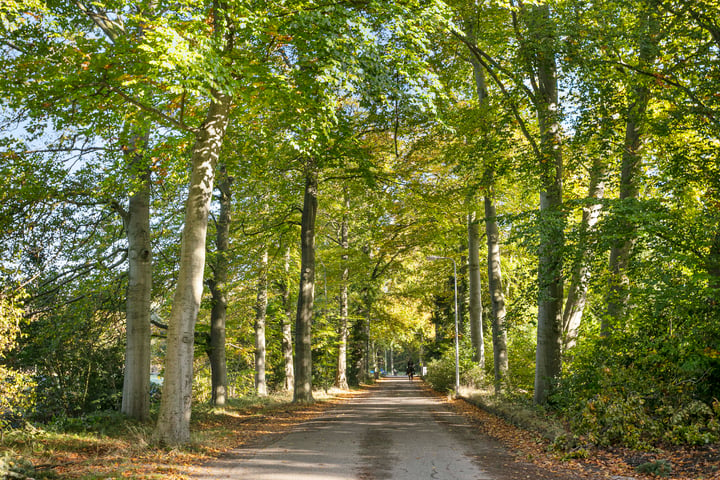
[617, 463]
[126, 452]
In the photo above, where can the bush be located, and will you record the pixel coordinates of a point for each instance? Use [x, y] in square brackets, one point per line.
[659, 468]
[15, 467]
[694, 424]
[638, 392]
[611, 419]
[78, 360]
[17, 393]
[474, 377]
[441, 373]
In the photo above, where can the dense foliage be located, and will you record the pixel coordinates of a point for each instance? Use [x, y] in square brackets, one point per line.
[587, 134]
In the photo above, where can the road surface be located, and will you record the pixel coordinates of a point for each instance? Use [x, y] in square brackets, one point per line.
[397, 431]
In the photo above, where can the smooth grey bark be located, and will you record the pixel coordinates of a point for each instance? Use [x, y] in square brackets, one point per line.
[713, 264]
[630, 176]
[541, 52]
[218, 287]
[620, 252]
[173, 425]
[462, 291]
[260, 316]
[306, 296]
[392, 360]
[495, 283]
[367, 365]
[475, 287]
[287, 344]
[341, 372]
[136, 381]
[577, 291]
[497, 297]
[362, 328]
[538, 49]
[374, 355]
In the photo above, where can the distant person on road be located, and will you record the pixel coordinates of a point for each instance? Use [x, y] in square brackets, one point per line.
[410, 369]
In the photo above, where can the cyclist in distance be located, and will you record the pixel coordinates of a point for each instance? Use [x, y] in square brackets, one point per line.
[410, 369]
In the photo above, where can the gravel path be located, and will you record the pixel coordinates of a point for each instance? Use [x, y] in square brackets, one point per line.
[397, 431]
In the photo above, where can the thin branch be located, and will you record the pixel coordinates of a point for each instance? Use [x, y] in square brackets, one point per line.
[481, 56]
[152, 110]
[708, 111]
[54, 306]
[111, 28]
[283, 221]
[66, 150]
[158, 324]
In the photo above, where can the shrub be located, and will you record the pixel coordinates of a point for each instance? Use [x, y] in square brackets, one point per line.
[695, 424]
[641, 391]
[441, 373]
[611, 418]
[474, 377]
[17, 393]
[78, 362]
[659, 468]
[13, 466]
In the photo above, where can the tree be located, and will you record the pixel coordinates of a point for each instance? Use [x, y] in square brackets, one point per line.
[341, 374]
[303, 340]
[637, 103]
[535, 36]
[287, 343]
[218, 287]
[476, 326]
[136, 384]
[260, 317]
[497, 297]
[173, 425]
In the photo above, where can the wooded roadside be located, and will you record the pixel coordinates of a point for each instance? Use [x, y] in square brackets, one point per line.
[110, 447]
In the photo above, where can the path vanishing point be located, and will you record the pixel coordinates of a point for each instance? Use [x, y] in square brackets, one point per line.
[396, 431]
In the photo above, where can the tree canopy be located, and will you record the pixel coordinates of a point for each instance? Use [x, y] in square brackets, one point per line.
[190, 177]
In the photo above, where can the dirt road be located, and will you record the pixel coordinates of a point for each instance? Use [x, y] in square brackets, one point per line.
[397, 431]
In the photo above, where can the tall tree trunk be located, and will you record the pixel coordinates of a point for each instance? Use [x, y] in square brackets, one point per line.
[630, 176]
[577, 292]
[497, 297]
[362, 335]
[136, 381]
[476, 310]
[173, 425]
[392, 360]
[462, 291]
[260, 315]
[367, 363]
[495, 284]
[217, 284]
[341, 373]
[306, 297]
[713, 266]
[287, 344]
[621, 251]
[541, 46]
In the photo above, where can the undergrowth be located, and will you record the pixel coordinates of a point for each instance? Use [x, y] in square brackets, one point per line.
[108, 445]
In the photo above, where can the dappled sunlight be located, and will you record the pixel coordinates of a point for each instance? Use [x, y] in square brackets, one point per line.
[397, 431]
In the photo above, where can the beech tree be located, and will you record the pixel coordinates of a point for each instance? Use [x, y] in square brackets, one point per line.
[260, 321]
[218, 288]
[630, 177]
[374, 138]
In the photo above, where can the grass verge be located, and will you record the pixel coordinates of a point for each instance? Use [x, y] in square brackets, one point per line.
[108, 446]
